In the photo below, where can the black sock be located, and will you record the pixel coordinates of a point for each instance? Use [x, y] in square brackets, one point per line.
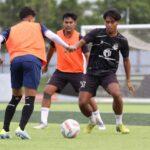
[10, 111]
[27, 111]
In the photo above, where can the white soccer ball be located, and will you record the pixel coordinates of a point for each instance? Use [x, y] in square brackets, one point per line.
[70, 128]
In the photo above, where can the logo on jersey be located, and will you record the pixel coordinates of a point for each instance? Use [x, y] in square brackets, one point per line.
[82, 84]
[115, 46]
[107, 52]
[101, 42]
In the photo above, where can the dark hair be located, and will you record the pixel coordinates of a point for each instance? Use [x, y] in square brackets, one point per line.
[71, 15]
[26, 11]
[114, 13]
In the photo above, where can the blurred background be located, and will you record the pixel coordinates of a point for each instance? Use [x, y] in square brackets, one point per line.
[49, 12]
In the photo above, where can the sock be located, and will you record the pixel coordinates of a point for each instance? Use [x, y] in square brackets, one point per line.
[27, 111]
[118, 119]
[97, 115]
[92, 120]
[10, 111]
[44, 115]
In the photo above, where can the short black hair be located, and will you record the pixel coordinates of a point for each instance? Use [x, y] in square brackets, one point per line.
[114, 13]
[26, 11]
[71, 15]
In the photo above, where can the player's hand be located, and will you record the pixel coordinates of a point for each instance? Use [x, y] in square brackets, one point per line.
[45, 69]
[71, 48]
[130, 87]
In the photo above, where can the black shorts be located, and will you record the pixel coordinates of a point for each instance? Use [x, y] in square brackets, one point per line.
[61, 79]
[90, 83]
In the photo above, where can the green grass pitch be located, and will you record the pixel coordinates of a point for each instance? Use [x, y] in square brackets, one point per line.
[137, 117]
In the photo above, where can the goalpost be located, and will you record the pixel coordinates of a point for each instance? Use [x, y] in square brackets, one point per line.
[138, 36]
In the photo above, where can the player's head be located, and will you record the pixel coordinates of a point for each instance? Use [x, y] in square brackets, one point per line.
[111, 18]
[27, 13]
[69, 21]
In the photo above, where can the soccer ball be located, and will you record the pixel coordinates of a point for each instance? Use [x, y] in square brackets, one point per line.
[70, 128]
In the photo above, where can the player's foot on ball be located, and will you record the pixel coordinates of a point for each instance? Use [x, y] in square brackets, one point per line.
[123, 129]
[40, 126]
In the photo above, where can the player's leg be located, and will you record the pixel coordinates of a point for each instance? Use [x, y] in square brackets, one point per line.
[55, 84]
[10, 111]
[84, 99]
[96, 114]
[49, 90]
[114, 90]
[26, 113]
[86, 109]
[87, 105]
[76, 81]
[16, 84]
[31, 79]
[112, 87]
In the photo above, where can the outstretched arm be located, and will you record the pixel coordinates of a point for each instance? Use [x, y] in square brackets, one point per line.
[80, 43]
[55, 38]
[77, 45]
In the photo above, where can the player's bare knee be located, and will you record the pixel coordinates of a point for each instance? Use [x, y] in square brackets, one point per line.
[117, 95]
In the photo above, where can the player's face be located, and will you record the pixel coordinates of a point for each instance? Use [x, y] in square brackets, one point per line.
[69, 24]
[111, 25]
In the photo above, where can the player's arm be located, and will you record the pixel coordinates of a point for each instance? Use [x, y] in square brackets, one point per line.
[85, 51]
[49, 56]
[3, 37]
[86, 39]
[87, 55]
[54, 37]
[127, 66]
[79, 44]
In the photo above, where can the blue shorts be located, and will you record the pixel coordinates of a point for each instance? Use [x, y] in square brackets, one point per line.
[26, 73]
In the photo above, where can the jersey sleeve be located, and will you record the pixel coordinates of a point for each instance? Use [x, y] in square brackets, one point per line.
[84, 47]
[43, 29]
[5, 34]
[125, 48]
[89, 37]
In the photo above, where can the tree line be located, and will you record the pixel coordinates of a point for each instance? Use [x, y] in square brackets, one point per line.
[49, 12]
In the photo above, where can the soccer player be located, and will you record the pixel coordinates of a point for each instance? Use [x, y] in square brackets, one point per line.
[69, 69]
[26, 47]
[103, 63]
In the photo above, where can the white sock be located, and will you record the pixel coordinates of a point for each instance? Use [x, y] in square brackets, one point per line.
[92, 120]
[44, 115]
[118, 119]
[97, 115]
